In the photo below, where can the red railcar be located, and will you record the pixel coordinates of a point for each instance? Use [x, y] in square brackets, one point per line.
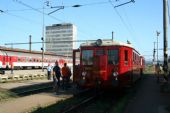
[106, 63]
[21, 59]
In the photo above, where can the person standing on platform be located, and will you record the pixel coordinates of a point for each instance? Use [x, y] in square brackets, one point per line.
[56, 77]
[12, 68]
[49, 69]
[66, 73]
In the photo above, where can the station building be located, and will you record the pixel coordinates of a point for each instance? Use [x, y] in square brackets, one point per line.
[60, 38]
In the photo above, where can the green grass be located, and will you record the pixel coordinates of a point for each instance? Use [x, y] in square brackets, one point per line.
[6, 95]
[59, 106]
[119, 107]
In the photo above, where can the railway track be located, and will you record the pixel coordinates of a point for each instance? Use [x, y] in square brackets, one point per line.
[33, 89]
[87, 101]
[102, 102]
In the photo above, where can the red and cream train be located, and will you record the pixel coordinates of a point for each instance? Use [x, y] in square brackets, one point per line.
[22, 59]
[106, 63]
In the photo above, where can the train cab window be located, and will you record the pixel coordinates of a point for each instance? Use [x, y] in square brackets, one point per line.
[126, 57]
[87, 57]
[100, 52]
[26, 59]
[113, 57]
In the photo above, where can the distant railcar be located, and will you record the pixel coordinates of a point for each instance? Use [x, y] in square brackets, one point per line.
[105, 64]
[22, 59]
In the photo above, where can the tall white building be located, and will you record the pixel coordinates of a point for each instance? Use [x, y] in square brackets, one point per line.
[60, 38]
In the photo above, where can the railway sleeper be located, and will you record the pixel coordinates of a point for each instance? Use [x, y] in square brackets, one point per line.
[3, 78]
[35, 76]
[42, 76]
[15, 77]
[31, 76]
[24, 77]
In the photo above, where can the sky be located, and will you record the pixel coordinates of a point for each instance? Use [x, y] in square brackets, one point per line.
[95, 19]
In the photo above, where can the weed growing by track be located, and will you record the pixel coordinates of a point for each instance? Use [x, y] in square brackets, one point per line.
[59, 106]
[6, 95]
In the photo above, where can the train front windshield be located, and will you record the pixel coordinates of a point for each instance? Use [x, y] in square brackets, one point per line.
[88, 56]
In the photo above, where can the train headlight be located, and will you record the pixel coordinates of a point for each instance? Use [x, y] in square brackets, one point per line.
[115, 74]
[84, 73]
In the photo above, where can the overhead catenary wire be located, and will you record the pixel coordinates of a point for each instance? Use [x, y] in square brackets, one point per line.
[88, 4]
[20, 17]
[26, 5]
[49, 42]
[121, 18]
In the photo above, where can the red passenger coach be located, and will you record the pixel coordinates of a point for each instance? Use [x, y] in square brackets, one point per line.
[25, 59]
[106, 63]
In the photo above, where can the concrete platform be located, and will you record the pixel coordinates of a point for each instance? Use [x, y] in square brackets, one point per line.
[25, 104]
[149, 97]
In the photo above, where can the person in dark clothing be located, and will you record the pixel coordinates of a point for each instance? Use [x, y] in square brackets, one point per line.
[56, 77]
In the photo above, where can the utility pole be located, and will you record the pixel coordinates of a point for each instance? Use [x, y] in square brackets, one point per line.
[157, 34]
[30, 43]
[42, 54]
[42, 38]
[165, 29]
[154, 53]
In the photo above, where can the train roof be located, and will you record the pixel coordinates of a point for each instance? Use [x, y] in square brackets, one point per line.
[5, 50]
[106, 42]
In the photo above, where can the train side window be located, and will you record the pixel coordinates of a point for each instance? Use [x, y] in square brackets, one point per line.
[19, 60]
[126, 57]
[26, 59]
[113, 57]
[30, 59]
[87, 57]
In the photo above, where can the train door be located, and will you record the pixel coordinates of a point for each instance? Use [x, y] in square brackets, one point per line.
[100, 66]
[76, 65]
[126, 75]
